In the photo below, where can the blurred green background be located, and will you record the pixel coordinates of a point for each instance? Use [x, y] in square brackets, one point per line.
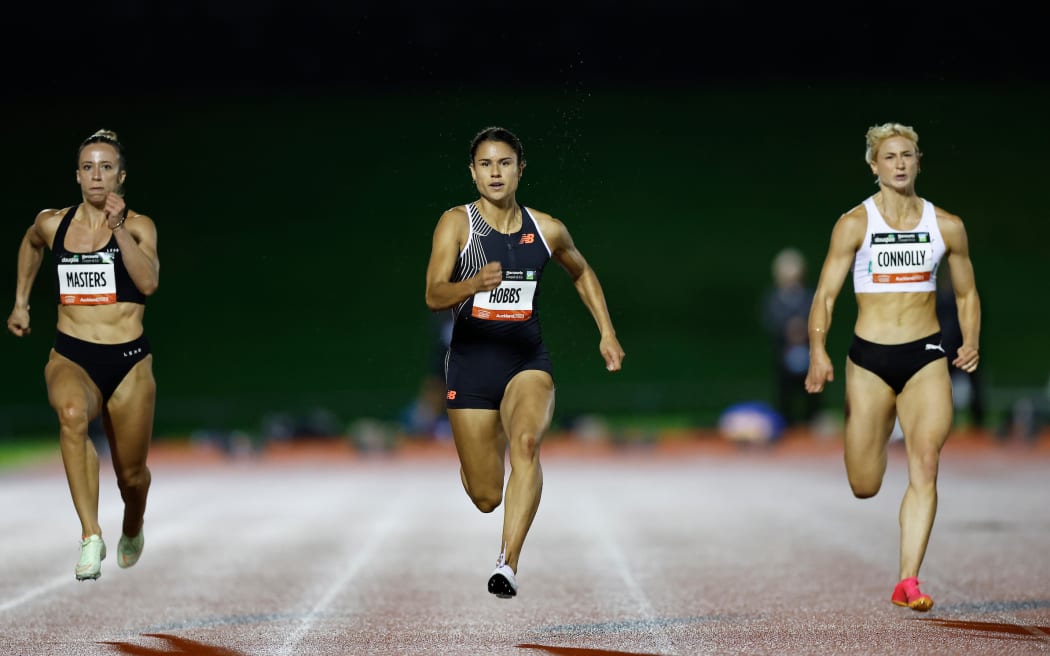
[294, 231]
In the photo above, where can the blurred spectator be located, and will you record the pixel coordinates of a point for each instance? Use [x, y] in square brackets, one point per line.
[967, 388]
[785, 316]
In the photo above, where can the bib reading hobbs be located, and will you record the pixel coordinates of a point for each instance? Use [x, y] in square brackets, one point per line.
[511, 301]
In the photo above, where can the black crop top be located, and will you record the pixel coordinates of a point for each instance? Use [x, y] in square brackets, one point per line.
[98, 278]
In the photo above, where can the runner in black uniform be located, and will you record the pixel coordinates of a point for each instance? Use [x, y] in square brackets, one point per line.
[486, 264]
[493, 339]
[105, 266]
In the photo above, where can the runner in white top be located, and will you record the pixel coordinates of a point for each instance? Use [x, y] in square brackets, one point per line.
[897, 367]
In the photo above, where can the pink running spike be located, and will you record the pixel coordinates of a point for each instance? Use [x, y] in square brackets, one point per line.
[907, 593]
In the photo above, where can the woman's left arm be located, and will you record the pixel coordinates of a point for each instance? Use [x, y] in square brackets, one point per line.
[587, 286]
[965, 287]
[136, 235]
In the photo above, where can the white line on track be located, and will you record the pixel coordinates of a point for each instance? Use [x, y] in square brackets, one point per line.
[41, 589]
[160, 536]
[69, 579]
[392, 517]
[592, 510]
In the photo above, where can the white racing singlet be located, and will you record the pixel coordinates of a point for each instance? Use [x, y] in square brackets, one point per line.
[890, 260]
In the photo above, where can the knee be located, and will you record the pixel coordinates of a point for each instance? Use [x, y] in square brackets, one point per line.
[72, 414]
[525, 446]
[487, 500]
[863, 487]
[923, 469]
[133, 477]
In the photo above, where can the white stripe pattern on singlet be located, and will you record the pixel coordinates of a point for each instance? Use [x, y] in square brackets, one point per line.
[472, 258]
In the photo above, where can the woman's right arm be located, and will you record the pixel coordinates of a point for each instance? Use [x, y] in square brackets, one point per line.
[30, 255]
[846, 238]
[449, 237]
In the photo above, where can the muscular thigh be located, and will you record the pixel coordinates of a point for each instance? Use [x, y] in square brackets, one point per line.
[138, 389]
[69, 386]
[528, 403]
[925, 406]
[478, 438]
[870, 412]
[130, 410]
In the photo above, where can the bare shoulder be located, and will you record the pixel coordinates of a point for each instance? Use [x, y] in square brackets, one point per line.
[141, 225]
[48, 216]
[454, 218]
[851, 226]
[857, 214]
[554, 231]
[139, 218]
[457, 213]
[46, 222]
[946, 219]
[453, 227]
[547, 223]
[952, 230]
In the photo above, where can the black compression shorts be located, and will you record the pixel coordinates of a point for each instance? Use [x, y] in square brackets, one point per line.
[477, 373]
[896, 363]
[105, 364]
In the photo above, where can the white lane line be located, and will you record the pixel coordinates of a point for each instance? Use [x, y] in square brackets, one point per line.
[618, 562]
[41, 589]
[161, 536]
[364, 553]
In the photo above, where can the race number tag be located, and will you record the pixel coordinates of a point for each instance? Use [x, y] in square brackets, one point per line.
[901, 257]
[87, 279]
[511, 301]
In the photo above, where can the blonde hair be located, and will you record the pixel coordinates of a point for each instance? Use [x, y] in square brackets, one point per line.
[879, 133]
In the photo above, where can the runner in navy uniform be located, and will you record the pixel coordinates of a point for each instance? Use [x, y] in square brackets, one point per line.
[897, 366]
[486, 266]
[105, 266]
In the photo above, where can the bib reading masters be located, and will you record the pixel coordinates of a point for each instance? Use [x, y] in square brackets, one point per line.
[87, 279]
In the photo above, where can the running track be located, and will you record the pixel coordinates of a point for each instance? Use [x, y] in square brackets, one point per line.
[683, 548]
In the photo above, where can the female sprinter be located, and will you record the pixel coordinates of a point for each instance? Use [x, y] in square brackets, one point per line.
[897, 366]
[105, 259]
[486, 265]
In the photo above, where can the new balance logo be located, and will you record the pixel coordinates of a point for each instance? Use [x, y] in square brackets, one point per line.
[451, 395]
[528, 238]
[934, 347]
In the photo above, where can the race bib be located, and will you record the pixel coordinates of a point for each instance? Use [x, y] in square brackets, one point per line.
[901, 257]
[87, 279]
[511, 301]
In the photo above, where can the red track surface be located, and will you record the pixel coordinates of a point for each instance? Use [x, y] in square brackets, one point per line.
[690, 546]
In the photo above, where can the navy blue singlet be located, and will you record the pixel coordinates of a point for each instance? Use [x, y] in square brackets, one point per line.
[496, 334]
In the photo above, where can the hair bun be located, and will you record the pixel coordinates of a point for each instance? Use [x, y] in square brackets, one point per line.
[106, 134]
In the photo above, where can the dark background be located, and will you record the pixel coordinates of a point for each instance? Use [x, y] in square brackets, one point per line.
[296, 156]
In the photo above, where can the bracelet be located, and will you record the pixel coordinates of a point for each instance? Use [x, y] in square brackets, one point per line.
[121, 223]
